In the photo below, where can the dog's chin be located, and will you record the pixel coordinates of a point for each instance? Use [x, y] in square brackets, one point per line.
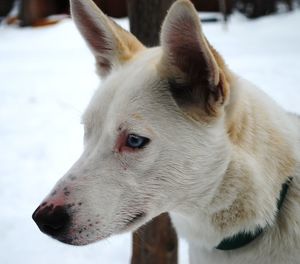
[75, 241]
[70, 241]
[78, 240]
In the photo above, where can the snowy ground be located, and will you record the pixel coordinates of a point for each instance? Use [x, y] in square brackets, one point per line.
[47, 78]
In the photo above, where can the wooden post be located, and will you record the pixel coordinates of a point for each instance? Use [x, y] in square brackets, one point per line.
[35, 12]
[156, 242]
[146, 17]
[5, 7]
[223, 10]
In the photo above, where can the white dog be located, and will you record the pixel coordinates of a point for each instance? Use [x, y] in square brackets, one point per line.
[172, 129]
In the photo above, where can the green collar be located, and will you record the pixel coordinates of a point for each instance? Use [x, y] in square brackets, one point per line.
[244, 238]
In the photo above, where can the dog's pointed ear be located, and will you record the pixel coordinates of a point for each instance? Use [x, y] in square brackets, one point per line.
[196, 72]
[111, 45]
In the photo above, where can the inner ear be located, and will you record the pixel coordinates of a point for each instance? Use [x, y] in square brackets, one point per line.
[190, 64]
[196, 98]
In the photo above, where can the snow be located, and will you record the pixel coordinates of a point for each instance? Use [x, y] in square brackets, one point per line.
[46, 79]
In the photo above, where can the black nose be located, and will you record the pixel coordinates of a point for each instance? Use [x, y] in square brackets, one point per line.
[51, 220]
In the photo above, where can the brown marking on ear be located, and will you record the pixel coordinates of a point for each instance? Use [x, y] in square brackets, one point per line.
[219, 59]
[86, 18]
[127, 44]
[225, 74]
[110, 44]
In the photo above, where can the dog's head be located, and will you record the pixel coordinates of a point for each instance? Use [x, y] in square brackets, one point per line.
[154, 138]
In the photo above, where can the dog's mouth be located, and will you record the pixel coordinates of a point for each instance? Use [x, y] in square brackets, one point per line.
[134, 220]
[136, 217]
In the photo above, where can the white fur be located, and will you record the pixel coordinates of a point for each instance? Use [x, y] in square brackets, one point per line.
[212, 184]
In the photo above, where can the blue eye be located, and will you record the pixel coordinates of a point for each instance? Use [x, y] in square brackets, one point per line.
[136, 142]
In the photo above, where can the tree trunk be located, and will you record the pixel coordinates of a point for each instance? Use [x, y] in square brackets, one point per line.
[34, 12]
[5, 7]
[155, 242]
[146, 17]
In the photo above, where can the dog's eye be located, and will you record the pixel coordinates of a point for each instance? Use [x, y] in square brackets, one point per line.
[136, 142]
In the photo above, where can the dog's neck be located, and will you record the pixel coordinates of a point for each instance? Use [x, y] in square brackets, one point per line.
[262, 159]
[243, 238]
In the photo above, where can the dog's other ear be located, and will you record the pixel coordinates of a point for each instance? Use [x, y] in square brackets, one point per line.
[196, 72]
[111, 45]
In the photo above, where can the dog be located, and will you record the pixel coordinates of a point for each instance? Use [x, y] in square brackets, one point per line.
[173, 129]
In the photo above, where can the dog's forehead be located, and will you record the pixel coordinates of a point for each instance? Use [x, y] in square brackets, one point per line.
[119, 92]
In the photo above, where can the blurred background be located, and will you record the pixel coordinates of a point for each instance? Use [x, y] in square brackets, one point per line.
[47, 77]
[32, 12]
